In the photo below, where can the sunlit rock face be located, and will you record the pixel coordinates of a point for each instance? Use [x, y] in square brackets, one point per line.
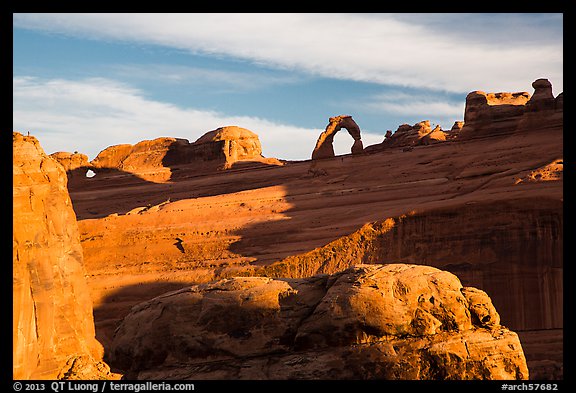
[368, 322]
[53, 327]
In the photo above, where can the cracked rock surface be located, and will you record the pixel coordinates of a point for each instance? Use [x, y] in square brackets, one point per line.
[395, 321]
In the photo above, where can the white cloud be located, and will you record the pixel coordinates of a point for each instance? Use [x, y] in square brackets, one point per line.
[358, 47]
[92, 114]
[426, 106]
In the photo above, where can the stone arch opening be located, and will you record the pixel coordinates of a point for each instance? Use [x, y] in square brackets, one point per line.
[325, 144]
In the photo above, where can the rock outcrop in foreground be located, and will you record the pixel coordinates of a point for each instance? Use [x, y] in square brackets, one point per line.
[392, 321]
[53, 327]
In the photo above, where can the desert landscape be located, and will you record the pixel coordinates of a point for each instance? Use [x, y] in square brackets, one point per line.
[435, 254]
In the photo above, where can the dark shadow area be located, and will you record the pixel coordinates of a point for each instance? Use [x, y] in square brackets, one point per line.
[109, 314]
[227, 316]
[113, 190]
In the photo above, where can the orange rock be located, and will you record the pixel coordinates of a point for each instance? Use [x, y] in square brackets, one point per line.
[367, 322]
[52, 308]
[407, 135]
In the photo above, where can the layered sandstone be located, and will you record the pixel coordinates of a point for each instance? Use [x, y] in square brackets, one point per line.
[367, 322]
[53, 327]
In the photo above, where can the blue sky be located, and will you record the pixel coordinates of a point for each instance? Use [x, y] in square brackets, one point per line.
[83, 82]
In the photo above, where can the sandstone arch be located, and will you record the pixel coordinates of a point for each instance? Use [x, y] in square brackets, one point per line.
[324, 145]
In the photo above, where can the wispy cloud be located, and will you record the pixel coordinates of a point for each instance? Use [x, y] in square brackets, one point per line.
[221, 80]
[383, 49]
[91, 114]
[426, 106]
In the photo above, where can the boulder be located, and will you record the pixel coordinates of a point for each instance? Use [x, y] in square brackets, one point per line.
[52, 309]
[392, 321]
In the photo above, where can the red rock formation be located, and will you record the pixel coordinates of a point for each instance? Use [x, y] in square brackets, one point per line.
[434, 136]
[71, 161]
[324, 145]
[53, 327]
[552, 171]
[76, 166]
[368, 322]
[408, 136]
[505, 113]
[143, 155]
[455, 130]
[153, 159]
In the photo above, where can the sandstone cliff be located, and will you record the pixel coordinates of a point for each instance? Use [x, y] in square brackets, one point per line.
[53, 327]
[367, 322]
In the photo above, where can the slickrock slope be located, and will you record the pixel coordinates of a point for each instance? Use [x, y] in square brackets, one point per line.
[367, 322]
[53, 327]
[489, 209]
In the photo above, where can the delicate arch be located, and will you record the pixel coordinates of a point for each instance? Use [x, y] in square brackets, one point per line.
[324, 145]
